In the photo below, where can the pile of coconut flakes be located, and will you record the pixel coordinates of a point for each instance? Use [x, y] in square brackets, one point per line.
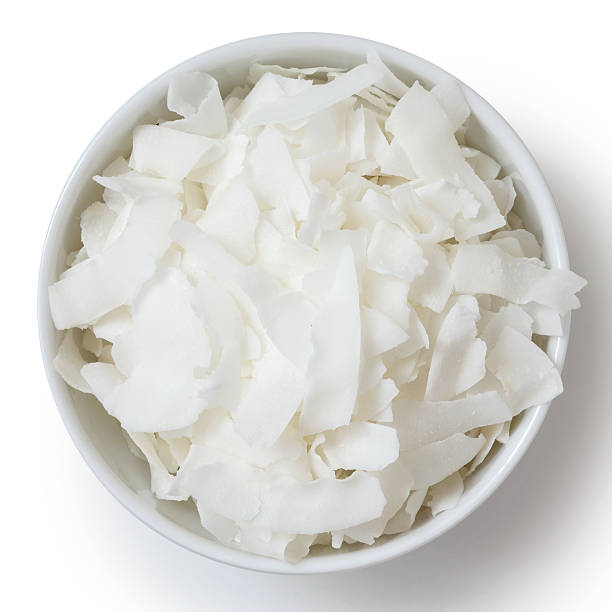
[309, 304]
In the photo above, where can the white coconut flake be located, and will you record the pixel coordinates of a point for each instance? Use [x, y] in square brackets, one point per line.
[371, 374]
[432, 463]
[485, 268]
[435, 286]
[100, 284]
[102, 378]
[170, 153]
[231, 217]
[113, 324]
[484, 166]
[163, 484]
[361, 446]
[450, 97]
[318, 283]
[133, 185]
[426, 134]
[195, 96]
[546, 321]
[458, 359]
[445, 494]
[528, 375]
[395, 162]
[332, 377]
[491, 324]
[288, 321]
[257, 71]
[230, 489]
[226, 167]
[269, 399]
[393, 251]
[380, 333]
[318, 97]
[313, 225]
[396, 483]
[503, 192]
[274, 178]
[420, 423]
[373, 402]
[97, 222]
[91, 344]
[387, 81]
[406, 515]
[159, 355]
[68, 362]
[491, 434]
[321, 505]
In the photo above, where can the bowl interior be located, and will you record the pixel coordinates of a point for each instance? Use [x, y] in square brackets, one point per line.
[98, 436]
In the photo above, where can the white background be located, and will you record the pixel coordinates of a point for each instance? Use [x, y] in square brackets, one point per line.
[542, 542]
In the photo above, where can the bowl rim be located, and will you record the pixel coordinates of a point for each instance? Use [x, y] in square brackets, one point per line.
[353, 559]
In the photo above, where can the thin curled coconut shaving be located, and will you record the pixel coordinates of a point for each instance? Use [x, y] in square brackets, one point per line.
[309, 304]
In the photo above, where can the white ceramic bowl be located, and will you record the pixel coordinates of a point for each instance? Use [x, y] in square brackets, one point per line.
[98, 436]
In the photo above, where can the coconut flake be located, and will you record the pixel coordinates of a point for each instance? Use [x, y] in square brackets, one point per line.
[102, 378]
[406, 515]
[546, 321]
[503, 192]
[318, 283]
[171, 153]
[371, 374]
[257, 71]
[97, 222]
[395, 162]
[113, 324]
[332, 377]
[231, 217]
[226, 167]
[393, 251]
[159, 355]
[450, 97]
[527, 242]
[483, 165]
[485, 268]
[435, 286]
[269, 399]
[68, 362]
[231, 489]
[380, 333]
[321, 505]
[387, 80]
[361, 446]
[458, 359]
[90, 343]
[426, 134]
[100, 284]
[373, 402]
[528, 375]
[436, 461]
[316, 98]
[273, 176]
[163, 484]
[313, 225]
[445, 494]
[491, 433]
[195, 96]
[288, 321]
[420, 423]
[396, 483]
[491, 324]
